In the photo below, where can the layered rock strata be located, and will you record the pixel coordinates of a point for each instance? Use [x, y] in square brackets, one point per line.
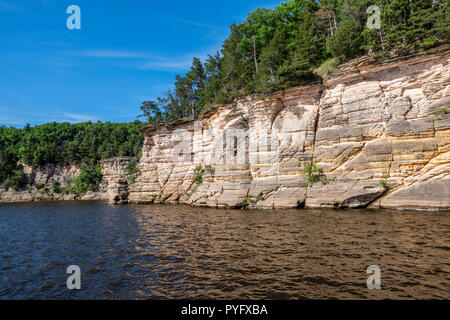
[378, 133]
[47, 183]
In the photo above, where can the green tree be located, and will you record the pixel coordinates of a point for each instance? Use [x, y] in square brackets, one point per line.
[213, 83]
[347, 40]
[280, 48]
[151, 112]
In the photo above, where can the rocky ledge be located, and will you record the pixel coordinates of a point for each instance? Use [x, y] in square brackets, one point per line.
[375, 135]
[46, 183]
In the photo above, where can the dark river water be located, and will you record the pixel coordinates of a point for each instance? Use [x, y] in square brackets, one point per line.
[178, 252]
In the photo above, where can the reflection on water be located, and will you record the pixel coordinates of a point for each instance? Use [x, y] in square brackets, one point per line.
[178, 252]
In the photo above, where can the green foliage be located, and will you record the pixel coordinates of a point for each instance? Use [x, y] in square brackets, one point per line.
[443, 112]
[383, 183]
[88, 179]
[347, 40]
[56, 187]
[41, 186]
[151, 112]
[280, 48]
[64, 143]
[246, 201]
[327, 67]
[66, 191]
[251, 200]
[313, 174]
[131, 170]
[199, 171]
[16, 179]
[429, 43]
[11, 174]
[234, 113]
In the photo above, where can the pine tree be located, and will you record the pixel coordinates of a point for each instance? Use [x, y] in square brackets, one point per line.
[151, 112]
[280, 48]
[213, 80]
[347, 41]
[197, 76]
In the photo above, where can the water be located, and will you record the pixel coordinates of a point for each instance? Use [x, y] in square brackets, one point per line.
[178, 252]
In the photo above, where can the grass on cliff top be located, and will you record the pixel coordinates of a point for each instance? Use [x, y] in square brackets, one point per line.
[327, 67]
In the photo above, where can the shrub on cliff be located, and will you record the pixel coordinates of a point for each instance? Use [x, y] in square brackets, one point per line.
[16, 179]
[199, 171]
[313, 174]
[56, 187]
[88, 179]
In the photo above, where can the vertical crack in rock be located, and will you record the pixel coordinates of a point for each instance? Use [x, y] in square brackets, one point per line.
[367, 123]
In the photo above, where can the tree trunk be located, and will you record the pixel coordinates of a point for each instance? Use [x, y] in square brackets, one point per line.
[331, 27]
[381, 40]
[254, 54]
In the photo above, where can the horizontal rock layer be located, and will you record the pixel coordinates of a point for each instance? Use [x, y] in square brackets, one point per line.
[379, 133]
[113, 187]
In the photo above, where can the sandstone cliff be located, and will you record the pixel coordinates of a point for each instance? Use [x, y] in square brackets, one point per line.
[113, 187]
[379, 133]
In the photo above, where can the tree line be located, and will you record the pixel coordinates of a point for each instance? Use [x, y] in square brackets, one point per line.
[84, 144]
[280, 48]
[269, 51]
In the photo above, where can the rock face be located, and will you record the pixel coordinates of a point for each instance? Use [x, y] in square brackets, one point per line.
[115, 179]
[41, 179]
[379, 133]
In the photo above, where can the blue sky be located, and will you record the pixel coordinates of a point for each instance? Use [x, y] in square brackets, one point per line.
[126, 52]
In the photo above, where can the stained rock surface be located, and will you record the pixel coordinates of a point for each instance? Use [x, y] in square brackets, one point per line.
[379, 134]
[41, 181]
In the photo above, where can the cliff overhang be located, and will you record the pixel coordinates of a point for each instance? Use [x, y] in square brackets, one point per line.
[378, 135]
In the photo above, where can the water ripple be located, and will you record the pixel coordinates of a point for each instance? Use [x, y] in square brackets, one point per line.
[177, 252]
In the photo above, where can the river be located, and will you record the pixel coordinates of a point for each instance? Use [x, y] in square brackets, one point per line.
[179, 252]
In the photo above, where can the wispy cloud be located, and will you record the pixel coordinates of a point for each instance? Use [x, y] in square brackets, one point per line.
[21, 118]
[147, 61]
[114, 54]
[6, 119]
[73, 117]
[178, 63]
[8, 7]
[9, 122]
[171, 64]
[200, 24]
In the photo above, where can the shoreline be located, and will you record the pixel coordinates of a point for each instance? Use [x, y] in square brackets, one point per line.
[338, 209]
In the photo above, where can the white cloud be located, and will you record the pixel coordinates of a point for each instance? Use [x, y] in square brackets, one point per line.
[73, 118]
[22, 118]
[178, 63]
[199, 24]
[117, 54]
[151, 61]
[172, 64]
[6, 6]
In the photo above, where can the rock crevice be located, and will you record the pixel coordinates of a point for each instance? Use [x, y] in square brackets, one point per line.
[379, 133]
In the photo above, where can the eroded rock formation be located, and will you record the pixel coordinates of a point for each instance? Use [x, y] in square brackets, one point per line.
[379, 133]
[42, 179]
